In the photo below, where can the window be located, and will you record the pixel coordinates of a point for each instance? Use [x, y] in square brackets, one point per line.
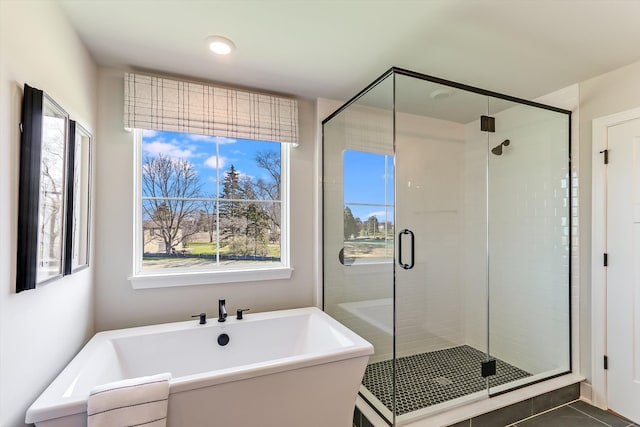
[368, 207]
[209, 209]
[199, 220]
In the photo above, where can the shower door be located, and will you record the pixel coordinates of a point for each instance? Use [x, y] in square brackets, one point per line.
[441, 275]
[358, 230]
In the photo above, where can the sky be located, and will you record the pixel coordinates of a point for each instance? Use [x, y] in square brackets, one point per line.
[200, 150]
[364, 182]
[364, 173]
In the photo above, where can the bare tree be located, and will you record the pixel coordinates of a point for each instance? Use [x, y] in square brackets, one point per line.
[51, 188]
[169, 185]
[270, 161]
[208, 215]
[270, 189]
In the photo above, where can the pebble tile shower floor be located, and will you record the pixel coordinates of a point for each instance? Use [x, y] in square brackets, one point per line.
[427, 379]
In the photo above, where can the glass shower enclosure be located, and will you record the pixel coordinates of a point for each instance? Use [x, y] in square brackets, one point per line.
[447, 240]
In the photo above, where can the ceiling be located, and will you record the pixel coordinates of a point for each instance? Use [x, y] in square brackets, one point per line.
[334, 48]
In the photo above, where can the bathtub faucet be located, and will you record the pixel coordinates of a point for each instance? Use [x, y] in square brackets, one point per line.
[222, 311]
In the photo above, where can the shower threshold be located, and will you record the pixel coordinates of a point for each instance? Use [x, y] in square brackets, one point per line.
[428, 379]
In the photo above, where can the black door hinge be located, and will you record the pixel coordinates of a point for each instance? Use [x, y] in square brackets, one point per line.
[606, 156]
[605, 260]
[606, 362]
[488, 368]
[487, 124]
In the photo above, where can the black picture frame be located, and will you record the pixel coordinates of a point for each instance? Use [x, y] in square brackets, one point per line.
[42, 195]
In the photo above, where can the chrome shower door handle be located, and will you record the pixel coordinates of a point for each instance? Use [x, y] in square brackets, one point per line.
[412, 262]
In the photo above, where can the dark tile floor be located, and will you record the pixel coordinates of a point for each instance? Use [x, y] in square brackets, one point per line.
[427, 379]
[576, 414]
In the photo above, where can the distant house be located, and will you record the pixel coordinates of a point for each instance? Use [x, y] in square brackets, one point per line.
[153, 241]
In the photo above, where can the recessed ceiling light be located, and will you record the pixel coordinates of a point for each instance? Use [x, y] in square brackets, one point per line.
[220, 45]
[441, 93]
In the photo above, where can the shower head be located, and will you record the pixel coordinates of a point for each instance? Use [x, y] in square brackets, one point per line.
[497, 150]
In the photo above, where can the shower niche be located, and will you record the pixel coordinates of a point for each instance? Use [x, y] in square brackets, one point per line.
[447, 240]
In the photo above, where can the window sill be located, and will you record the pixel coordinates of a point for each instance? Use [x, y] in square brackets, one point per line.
[194, 278]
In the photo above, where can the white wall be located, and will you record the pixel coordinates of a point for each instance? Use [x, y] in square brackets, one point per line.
[609, 93]
[41, 329]
[117, 304]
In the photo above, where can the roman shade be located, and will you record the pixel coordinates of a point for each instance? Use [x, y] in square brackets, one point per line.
[158, 103]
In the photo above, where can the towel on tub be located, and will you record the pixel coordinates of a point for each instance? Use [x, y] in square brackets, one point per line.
[133, 402]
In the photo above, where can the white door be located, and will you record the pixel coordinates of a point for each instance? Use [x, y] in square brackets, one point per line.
[623, 270]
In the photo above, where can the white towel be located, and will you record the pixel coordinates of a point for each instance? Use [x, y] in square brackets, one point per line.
[134, 402]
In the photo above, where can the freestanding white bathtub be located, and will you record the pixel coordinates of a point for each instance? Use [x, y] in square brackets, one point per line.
[279, 369]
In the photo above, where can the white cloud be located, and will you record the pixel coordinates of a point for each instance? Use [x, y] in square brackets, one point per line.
[172, 150]
[224, 140]
[211, 162]
[379, 214]
[205, 138]
[194, 148]
[244, 175]
[149, 133]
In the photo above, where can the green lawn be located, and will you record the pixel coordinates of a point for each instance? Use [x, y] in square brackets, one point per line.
[274, 250]
[206, 248]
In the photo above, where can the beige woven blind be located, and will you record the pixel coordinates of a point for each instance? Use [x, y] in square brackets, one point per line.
[157, 103]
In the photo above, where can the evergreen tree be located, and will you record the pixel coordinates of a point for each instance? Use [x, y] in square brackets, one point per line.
[350, 224]
[256, 229]
[242, 221]
[371, 225]
[231, 211]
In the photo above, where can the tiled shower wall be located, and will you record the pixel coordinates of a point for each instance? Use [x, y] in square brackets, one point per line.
[429, 189]
[529, 240]
[529, 233]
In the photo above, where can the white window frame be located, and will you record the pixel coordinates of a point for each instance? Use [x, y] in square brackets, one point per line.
[188, 277]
